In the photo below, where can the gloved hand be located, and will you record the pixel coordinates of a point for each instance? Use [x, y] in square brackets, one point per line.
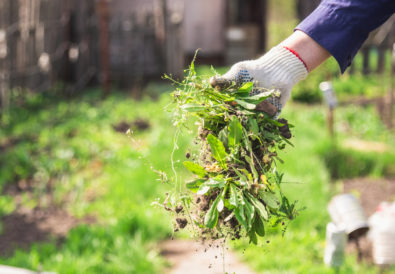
[280, 69]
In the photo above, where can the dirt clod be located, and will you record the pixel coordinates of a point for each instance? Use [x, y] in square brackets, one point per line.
[138, 124]
[284, 130]
[266, 107]
[179, 208]
[182, 222]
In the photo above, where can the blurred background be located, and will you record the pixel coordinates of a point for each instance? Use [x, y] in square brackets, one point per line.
[76, 190]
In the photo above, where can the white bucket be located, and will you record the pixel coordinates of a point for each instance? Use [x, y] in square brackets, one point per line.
[383, 234]
[347, 213]
[336, 240]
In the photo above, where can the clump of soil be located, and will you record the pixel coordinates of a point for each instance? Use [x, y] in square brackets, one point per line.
[182, 222]
[139, 124]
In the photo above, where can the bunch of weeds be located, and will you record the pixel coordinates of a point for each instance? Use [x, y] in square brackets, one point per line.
[236, 188]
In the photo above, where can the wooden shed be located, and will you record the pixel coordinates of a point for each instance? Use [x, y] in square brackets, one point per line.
[225, 31]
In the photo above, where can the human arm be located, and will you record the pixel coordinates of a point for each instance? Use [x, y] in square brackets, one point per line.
[341, 26]
[281, 68]
[336, 27]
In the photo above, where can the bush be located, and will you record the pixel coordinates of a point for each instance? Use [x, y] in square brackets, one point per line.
[347, 163]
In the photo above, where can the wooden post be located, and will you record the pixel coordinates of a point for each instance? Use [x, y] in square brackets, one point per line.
[391, 91]
[103, 11]
[4, 95]
[331, 121]
[365, 65]
[164, 29]
[351, 70]
[381, 60]
[331, 100]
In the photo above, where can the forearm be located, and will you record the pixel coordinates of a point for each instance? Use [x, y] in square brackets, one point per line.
[308, 50]
[341, 26]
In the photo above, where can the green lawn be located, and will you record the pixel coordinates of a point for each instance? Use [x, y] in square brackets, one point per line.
[99, 172]
[72, 142]
[301, 248]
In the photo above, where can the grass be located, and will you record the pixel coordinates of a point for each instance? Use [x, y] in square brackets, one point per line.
[96, 171]
[301, 248]
[99, 172]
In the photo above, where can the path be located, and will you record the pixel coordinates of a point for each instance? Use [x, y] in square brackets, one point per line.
[195, 258]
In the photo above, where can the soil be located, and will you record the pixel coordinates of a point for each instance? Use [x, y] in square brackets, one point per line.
[138, 124]
[192, 257]
[371, 193]
[25, 227]
[42, 223]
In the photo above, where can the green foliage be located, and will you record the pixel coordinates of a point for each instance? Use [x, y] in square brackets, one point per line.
[71, 144]
[195, 168]
[44, 130]
[235, 161]
[346, 86]
[307, 180]
[235, 134]
[347, 163]
[218, 150]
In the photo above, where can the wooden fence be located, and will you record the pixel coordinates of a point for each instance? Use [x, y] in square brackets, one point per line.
[43, 42]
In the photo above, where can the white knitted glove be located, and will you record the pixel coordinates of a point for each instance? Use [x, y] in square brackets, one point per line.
[278, 69]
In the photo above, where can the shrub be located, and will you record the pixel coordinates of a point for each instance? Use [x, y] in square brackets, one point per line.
[347, 163]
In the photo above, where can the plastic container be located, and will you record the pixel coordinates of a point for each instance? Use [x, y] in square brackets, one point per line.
[346, 212]
[382, 234]
[336, 240]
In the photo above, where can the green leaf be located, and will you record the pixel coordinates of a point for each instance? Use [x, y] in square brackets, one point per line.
[220, 205]
[269, 198]
[249, 213]
[235, 132]
[247, 174]
[260, 208]
[194, 185]
[253, 238]
[193, 107]
[246, 141]
[195, 168]
[258, 97]
[251, 163]
[241, 176]
[253, 125]
[211, 218]
[239, 214]
[218, 150]
[233, 195]
[246, 88]
[215, 182]
[223, 136]
[203, 189]
[259, 226]
[245, 104]
[211, 183]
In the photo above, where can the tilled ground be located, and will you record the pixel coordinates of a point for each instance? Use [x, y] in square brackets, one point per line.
[26, 226]
[371, 193]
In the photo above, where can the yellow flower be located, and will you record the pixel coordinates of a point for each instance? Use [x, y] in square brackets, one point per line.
[264, 179]
[214, 167]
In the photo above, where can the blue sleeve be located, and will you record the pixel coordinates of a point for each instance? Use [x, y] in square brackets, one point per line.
[341, 26]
